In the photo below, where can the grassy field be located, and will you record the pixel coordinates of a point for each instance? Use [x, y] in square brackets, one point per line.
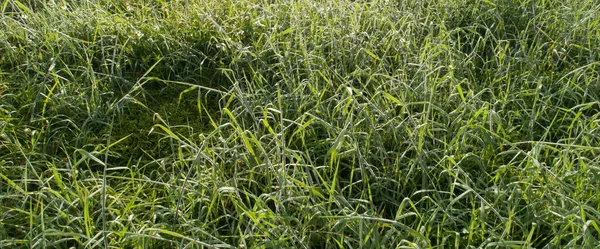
[299, 124]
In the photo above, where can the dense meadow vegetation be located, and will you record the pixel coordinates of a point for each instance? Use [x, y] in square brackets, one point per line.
[299, 124]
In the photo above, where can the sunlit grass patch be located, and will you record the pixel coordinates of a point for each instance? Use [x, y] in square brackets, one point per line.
[299, 124]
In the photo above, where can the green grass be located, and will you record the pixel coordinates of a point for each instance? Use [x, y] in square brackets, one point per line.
[299, 124]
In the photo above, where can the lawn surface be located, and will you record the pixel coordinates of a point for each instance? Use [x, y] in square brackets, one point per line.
[299, 124]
